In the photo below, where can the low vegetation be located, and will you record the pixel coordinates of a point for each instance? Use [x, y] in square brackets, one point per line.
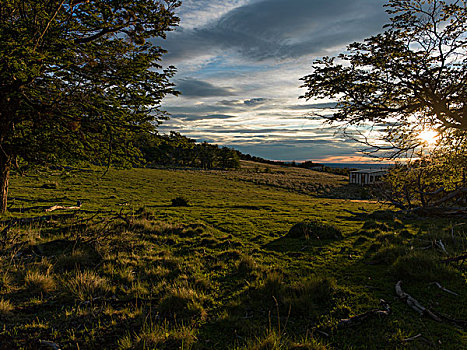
[131, 270]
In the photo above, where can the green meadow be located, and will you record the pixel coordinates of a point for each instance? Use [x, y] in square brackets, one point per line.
[136, 268]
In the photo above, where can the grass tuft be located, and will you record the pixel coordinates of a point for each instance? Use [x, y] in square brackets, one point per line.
[307, 297]
[388, 255]
[421, 266]
[314, 230]
[38, 282]
[160, 336]
[182, 302]
[6, 307]
[86, 285]
[246, 265]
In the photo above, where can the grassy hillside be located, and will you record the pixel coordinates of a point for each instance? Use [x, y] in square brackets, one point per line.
[131, 271]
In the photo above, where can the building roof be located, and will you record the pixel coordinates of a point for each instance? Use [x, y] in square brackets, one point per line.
[369, 171]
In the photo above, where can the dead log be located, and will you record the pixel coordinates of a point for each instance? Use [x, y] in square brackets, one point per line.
[414, 304]
[58, 207]
[358, 319]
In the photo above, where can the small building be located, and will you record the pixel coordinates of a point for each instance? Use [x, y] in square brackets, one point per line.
[367, 176]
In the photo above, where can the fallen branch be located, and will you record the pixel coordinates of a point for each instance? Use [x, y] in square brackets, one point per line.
[444, 289]
[414, 304]
[441, 245]
[413, 338]
[356, 320]
[459, 192]
[49, 344]
[57, 207]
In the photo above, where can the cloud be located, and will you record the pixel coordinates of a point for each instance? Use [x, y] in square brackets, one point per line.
[190, 117]
[328, 105]
[239, 64]
[281, 29]
[190, 87]
[255, 102]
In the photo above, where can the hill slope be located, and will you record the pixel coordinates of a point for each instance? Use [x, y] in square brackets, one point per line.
[129, 270]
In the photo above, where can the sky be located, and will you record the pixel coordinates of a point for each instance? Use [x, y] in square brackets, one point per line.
[239, 64]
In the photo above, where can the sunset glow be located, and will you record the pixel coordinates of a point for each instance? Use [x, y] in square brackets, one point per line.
[429, 136]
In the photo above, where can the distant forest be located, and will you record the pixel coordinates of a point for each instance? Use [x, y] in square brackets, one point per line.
[177, 150]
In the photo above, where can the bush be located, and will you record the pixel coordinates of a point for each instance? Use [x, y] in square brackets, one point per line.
[314, 229]
[180, 202]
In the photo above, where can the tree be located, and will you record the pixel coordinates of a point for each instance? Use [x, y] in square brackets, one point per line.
[410, 78]
[79, 78]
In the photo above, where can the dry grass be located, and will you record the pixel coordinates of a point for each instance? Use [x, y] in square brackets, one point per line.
[6, 307]
[160, 336]
[38, 282]
[86, 285]
[183, 302]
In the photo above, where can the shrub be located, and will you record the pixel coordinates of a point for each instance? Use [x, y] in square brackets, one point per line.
[180, 202]
[314, 229]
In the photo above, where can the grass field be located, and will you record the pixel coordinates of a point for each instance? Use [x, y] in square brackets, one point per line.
[132, 271]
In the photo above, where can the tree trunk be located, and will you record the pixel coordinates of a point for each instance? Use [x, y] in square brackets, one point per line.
[5, 165]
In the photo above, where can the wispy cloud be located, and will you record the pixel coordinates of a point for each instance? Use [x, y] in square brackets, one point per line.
[190, 87]
[239, 64]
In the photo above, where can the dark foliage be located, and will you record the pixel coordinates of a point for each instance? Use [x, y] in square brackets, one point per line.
[178, 150]
[78, 80]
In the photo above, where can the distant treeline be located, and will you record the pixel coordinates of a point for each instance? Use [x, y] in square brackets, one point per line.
[175, 149]
[178, 150]
[306, 164]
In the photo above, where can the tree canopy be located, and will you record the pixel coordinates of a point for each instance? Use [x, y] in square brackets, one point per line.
[410, 77]
[78, 78]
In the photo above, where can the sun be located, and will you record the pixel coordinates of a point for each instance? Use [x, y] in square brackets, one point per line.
[428, 136]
